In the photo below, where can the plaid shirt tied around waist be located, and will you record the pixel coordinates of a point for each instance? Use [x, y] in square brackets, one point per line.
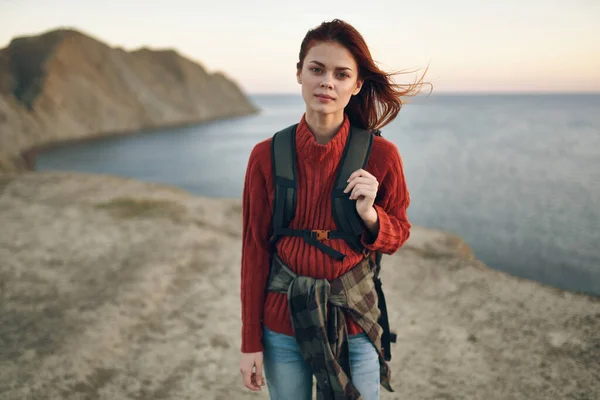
[323, 340]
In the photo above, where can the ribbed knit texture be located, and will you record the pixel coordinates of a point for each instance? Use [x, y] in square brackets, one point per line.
[316, 171]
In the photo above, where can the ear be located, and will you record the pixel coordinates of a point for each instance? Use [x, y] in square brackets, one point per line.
[298, 77]
[359, 84]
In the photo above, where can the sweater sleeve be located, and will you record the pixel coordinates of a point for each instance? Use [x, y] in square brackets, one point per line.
[391, 205]
[256, 226]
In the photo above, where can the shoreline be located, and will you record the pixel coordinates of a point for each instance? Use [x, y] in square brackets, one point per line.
[29, 155]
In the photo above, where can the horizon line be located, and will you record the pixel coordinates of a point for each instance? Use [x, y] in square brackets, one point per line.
[463, 92]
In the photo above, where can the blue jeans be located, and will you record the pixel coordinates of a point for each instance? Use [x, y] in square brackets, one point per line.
[289, 377]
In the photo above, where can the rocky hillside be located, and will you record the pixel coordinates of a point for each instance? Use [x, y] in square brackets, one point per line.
[63, 85]
[112, 288]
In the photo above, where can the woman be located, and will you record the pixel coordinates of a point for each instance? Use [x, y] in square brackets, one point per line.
[343, 89]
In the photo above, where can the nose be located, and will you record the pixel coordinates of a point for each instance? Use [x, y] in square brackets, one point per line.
[326, 83]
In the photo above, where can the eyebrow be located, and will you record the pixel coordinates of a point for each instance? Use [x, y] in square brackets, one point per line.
[322, 65]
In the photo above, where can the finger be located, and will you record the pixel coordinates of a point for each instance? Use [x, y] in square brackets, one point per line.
[365, 194]
[260, 380]
[356, 173]
[360, 172]
[354, 193]
[370, 194]
[255, 381]
[362, 186]
[247, 375]
[350, 185]
[361, 180]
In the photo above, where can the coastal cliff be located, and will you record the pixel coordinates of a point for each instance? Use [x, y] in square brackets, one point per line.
[111, 288]
[64, 85]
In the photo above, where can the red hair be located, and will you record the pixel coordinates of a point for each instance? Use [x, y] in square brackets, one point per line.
[379, 100]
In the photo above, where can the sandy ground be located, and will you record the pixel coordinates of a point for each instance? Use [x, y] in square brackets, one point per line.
[117, 289]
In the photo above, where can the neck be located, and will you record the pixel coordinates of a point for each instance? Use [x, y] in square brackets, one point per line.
[324, 126]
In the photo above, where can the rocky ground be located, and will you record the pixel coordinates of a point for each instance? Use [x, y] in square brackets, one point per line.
[112, 288]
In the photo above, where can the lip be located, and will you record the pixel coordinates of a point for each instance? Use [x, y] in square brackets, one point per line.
[324, 97]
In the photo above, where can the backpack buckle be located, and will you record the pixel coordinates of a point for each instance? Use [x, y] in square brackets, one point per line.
[365, 252]
[320, 234]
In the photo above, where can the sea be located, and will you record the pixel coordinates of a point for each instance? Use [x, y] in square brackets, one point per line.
[517, 176]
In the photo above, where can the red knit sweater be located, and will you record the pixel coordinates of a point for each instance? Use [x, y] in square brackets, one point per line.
[316, 167]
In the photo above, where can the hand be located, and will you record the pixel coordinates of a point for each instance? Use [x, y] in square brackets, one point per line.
[363, 187]
[253, 380]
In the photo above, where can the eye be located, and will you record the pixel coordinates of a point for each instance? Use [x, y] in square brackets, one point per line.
[343, 75]
[315, 69]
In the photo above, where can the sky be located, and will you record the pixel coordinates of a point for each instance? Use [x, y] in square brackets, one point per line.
[469, 46]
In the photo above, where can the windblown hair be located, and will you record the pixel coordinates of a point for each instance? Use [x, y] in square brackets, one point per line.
[379, 100]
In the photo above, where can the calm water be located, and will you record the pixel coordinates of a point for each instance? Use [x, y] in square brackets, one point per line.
[517, 176]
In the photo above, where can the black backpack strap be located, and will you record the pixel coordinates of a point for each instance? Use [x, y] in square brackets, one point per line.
[283, 154]
[355, 156]
[387, 337]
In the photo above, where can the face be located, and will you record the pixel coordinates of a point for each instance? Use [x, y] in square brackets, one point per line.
[329, 77]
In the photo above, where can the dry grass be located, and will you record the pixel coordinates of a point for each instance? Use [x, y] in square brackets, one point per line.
[124, 207]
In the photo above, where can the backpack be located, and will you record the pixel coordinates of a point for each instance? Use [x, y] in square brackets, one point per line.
[349, 224]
